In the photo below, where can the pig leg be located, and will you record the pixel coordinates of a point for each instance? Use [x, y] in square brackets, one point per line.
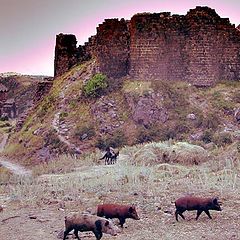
[98, 230]
[208, 213]
[180, 213]
[176, 215]
[122, 221]
[76, 234]
[198, 213]
[66, 232]
[98, 234]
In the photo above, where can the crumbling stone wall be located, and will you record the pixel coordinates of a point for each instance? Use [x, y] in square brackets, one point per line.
[200, 47]
[65, 53]
[156, 47]
[212, 47]
[112, 47]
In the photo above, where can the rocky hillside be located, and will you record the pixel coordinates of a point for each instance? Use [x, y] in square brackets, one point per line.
[84, 110]
[22, 88]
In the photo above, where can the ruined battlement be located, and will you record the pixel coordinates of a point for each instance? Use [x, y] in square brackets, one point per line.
[65, 53]
[200, 47]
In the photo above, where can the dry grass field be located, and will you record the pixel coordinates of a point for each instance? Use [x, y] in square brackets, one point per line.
[151, 176]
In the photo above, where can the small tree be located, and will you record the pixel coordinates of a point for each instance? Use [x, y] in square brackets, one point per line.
[96, 86]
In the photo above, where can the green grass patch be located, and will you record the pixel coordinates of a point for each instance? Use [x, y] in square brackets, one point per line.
[96, 86]
[137, 88]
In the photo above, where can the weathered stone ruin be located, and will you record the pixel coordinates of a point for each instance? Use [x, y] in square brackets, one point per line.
[200, 47]
[7, 105]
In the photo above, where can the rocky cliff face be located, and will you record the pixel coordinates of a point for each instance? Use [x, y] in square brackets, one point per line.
[201, 48]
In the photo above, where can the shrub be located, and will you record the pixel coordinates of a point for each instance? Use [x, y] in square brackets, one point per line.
[167, 133]
[238, 147]
[212, 121]
[80, 131]
[4, 124]
[95, 86]
[118, 139]
[182, 127]
[207, 136]
[221, 103]
[45, 106]
[236, 97]
[145, 135]
[222, 138]
[63, 115]
[4, 118]
[54, 143]
[156, 132]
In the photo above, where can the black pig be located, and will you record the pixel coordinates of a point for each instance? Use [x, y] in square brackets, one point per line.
[190, 203]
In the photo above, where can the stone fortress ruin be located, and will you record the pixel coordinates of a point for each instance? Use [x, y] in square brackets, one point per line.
[200, 47]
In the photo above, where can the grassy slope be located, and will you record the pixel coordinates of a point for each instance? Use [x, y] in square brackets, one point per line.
[213, 108]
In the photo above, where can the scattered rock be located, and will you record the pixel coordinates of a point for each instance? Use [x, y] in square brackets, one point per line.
[237, 115]
[67, 198]
[84, 136]
[209, 146]
[191, 116]
[168, 212]
[1, 208]
[142, 113]
[37, 131]
[196, 136]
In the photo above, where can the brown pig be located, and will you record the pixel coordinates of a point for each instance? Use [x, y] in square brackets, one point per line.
[190, 203]
[87, 222]
[117, 211]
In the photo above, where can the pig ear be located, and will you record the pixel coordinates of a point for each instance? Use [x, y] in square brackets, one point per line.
[131, 209]
[215, 200]
[106, 223]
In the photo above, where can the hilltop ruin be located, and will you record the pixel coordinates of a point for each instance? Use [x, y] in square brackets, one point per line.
[200, 47]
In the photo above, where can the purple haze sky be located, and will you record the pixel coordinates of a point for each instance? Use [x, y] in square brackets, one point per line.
[29, 27]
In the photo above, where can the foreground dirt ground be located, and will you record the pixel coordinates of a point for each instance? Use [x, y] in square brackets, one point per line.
[35, 208]
[46, 220]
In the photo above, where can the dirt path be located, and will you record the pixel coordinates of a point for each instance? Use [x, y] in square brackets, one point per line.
[13, 167]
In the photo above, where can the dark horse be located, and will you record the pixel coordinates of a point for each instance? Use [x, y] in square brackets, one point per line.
[113, 158]
[110, 156]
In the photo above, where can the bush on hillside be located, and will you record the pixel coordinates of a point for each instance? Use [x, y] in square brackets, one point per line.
[118, 139]
[4, 118]
[95, 86]
[221, 103]
[222, 139]
[156, 132]
[146, 135]
[207, 136]
[83, 132]
[63, 115]
[45, 106]
[54, 143]
[236, 97]
[212, 121]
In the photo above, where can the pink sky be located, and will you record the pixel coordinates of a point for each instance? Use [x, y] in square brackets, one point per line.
[29, 27]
